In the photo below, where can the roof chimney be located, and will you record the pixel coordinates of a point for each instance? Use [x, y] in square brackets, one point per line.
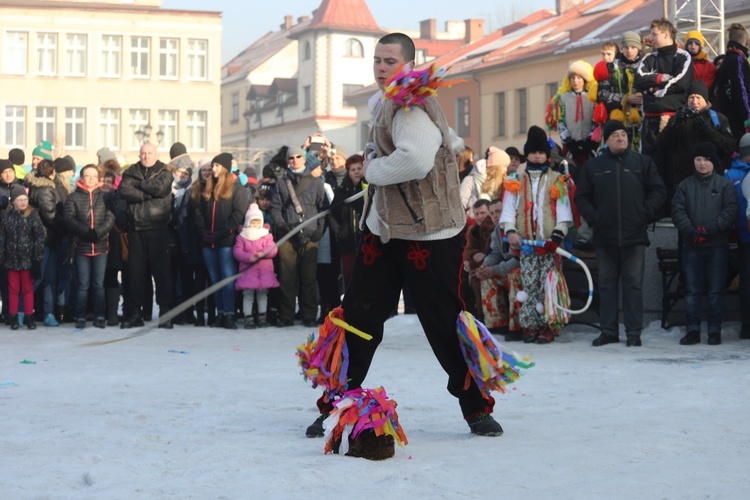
[428, 29]
[288, 22]
[474, 30]
[302, 19]
[565, 5]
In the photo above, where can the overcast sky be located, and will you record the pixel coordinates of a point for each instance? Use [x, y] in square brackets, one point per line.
[246, 21]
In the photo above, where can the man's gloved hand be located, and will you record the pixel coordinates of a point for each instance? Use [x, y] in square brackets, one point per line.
[699, 123]
[699, 234]
[550, 246]
[36, 269]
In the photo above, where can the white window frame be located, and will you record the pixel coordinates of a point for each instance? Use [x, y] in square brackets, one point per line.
[109, 127]
[169, 120]
[76, 52]
[140, 54]
[46, 54]
[197, 59]
[110, 56]
[197, 130]
[169, 58]
[15, 52]
[235, 107]
[45, 123]
[75, 128]
[354, 48]
[15, 126]
[138, 119]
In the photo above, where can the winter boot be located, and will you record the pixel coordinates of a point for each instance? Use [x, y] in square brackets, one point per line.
[113, 301]
[228, 322]
[482, 424]
[30, 322]
[13, 320]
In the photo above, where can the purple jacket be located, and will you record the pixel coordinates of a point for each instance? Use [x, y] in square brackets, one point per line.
[259, 276]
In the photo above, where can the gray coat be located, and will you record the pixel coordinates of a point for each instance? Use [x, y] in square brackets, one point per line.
[709, 201]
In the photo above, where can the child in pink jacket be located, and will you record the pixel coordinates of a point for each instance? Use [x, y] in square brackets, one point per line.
[254, 249]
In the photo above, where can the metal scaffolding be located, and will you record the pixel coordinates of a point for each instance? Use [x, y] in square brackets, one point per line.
[706, 16]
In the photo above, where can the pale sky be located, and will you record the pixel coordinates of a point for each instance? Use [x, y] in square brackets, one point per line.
[245, 21]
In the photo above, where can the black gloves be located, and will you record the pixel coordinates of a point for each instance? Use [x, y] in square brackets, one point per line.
[91, 235]
[316, 236]
[36, 269]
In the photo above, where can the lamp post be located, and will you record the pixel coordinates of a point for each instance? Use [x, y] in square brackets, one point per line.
[144, 133]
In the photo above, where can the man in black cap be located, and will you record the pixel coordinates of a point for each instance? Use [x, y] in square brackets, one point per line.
[619, 193]
[516, 159]
[147, 189]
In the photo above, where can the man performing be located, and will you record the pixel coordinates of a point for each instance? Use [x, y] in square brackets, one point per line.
[413, 234]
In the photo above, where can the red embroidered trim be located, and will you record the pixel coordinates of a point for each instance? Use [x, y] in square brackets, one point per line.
[419, 255]
[370, 250]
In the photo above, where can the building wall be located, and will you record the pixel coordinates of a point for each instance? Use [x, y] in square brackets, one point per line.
[103, 96]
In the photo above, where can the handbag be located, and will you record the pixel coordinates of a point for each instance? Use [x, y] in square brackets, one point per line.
[124, 244]
[70, 254]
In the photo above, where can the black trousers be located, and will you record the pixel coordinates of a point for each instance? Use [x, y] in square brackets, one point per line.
[149, 251]
[431, 271]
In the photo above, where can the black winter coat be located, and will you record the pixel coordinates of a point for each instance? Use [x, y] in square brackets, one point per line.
[344, 222]
[709, 201]
[119, 208]
[21, 239]
[148, 192]
[312, 199]
[5, 203]
[680, 136]
[85, 210]
[224, 217]
[733, 88]
[44, 196]
[619, 195]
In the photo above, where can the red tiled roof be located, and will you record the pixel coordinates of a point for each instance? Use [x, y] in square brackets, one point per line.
[436, 47]
[345, 15]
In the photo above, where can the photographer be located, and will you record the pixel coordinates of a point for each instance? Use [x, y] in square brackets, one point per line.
[693, 123]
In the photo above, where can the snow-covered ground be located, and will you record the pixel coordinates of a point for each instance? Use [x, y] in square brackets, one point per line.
[205, 413]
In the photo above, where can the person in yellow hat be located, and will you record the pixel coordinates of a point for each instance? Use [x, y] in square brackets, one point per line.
[703, 68]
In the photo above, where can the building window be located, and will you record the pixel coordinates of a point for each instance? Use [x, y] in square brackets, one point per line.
[551, 90]
[522, 111]
[307, 53]
[15, 119]
[348, 89]
[75, 128]
[140, 56]
[15, 52]
[139, 120]
[110, 56]
[46, 54]
[45, 124]
[235, 108]
[196, 126]
[500, 114]
[75, 55]
[463, 118]
[197, 57]
[306, 97]
[353, 48]
[168, 57]
[109, 128]
[420, 57]
[168, 125]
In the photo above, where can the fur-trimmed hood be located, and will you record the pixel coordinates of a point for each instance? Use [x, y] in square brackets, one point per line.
[33, 180]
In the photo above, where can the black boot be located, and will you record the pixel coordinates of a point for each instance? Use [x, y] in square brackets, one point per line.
[13, 321]
[134, 320]
[113, 302]
[30, 321]
[229, 322]
[482, 424]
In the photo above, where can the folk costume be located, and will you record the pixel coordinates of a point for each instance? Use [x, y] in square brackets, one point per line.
[537, 206]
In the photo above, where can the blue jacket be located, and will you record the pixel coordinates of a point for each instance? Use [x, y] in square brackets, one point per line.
[736, 174]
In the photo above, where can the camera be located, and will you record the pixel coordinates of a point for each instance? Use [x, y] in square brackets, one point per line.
[316, 144]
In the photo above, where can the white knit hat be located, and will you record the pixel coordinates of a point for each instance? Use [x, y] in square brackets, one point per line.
[253, 213]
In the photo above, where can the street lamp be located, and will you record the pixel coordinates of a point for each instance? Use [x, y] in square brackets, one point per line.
[144, 133]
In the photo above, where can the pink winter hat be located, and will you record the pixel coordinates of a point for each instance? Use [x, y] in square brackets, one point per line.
[253, 213]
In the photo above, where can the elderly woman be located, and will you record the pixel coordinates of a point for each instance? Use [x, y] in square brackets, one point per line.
[89, 219]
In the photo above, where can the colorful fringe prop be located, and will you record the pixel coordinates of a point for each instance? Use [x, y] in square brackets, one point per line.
[410, 87]
[556, 294]
[491, 367]
[325, 360]
[360, 410]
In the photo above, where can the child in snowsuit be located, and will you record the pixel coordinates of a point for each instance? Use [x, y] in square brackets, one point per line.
[22, 238]
[254, 249]
[536, 206]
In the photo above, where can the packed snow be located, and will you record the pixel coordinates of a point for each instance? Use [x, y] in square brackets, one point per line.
[211, 413]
